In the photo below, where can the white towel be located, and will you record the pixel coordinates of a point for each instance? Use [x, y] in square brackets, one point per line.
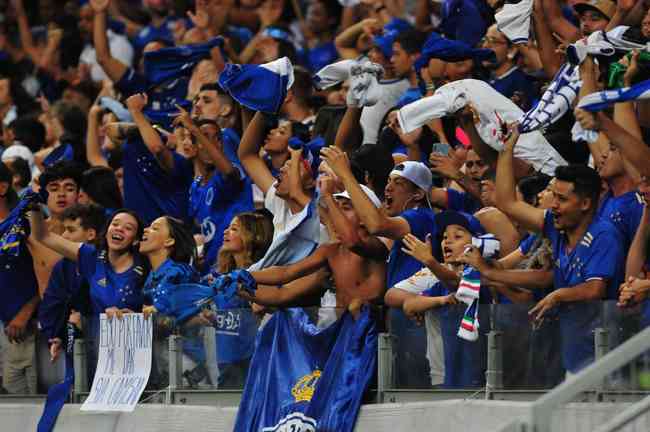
[333, 74]
[580, 134]
[492, 108]
[364, 84]
[513, 20]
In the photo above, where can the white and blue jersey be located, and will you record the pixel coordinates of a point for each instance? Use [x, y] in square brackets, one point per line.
[150, 190]
[598, 255]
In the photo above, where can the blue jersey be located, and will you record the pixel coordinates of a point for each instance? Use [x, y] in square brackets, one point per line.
[151, 33]
[411, 95]
[64, 152]
[162, 99]
[64, 292]
[18, 285]
[462, 201]
[108, 288]
[464, 367]
[164, 278]
[320, 56]
[598, 255]
[516, 81]
[624, 212]
[402, 266]
[149, 189]
[214, 203]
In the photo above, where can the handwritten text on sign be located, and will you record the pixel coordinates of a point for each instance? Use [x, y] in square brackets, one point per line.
[123, 365]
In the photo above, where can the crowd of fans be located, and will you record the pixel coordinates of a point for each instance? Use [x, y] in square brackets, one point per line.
[340, 198]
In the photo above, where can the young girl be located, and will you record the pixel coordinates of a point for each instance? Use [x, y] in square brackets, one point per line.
[245, 242]
[115, 270]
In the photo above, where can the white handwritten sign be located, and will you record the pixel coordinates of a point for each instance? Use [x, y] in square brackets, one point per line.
[123, 365]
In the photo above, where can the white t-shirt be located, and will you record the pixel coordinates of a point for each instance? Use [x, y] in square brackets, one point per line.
[372, 116]
[120, 48]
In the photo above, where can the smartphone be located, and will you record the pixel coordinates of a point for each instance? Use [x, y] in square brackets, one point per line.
[441, 148]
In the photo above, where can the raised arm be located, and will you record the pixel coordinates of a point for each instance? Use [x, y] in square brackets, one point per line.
[136, 103]
[375, 221]
[296, 191]
[249, 153]
[93, 148]
[346, 41]
[221, 162]
[529, 217]
[545, 41]
[638, 253]
[26, 40]
[278, 275]
[632, 148]
[349, 135]
[558, 23]
[114, 68]
[58, 244]
[368, 246]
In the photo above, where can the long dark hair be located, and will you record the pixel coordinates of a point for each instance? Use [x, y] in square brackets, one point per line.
[184, 249]
[138, 236]
[101, 186]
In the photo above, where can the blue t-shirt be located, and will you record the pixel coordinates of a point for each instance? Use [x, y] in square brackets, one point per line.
[214, 204]
[624, 212]
[515, 80]
[107, 288]
[462, 201]
[161, 280]
[149, 189]
[464, 367]
[64, 152]
[598, 255]
[151, 33]
[63, 293]
[410, 95]
[402, 266]
[318, 57]
[18, 285]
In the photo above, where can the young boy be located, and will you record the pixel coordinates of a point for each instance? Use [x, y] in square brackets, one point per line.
[461, 367]
[63, 299]
[356, 259]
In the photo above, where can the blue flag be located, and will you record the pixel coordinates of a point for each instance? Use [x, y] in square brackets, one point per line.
[58, 393]
[15, 229]
[259, 87]
[167, 64]
[600, 100]
[304, 378]
[451, 51]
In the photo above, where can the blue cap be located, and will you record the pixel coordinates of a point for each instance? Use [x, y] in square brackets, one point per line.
[465, 220]
[398, 24]
[450, 50]
[385, 42]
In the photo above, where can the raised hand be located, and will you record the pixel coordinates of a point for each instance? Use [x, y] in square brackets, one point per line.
[99, 6]
[418, 249]
[136, 102]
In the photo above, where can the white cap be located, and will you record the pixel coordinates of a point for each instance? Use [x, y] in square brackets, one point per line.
[367, 190]
[416, 172]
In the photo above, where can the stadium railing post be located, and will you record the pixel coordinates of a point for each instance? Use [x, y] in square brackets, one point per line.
[80, 362]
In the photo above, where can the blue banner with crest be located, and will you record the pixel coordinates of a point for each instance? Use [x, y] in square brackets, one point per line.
[306, 379]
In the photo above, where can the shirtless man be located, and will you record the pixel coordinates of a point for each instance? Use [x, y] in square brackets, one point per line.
[356, 260]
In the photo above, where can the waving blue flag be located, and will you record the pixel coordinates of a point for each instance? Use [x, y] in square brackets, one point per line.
[308, 379]
[167, 64]
[451, 51]
[15, 229]
[259, 87]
